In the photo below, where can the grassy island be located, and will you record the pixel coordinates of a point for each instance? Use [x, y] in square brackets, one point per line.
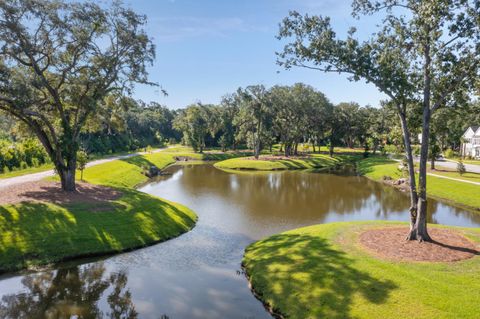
[272, 163]
[322, 272]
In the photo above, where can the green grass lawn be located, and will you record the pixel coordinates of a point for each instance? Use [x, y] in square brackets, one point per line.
[455, 192]
[314, 161]
[41, 233]
[320, 272]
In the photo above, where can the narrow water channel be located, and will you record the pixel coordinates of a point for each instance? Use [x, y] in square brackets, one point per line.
[198, 274]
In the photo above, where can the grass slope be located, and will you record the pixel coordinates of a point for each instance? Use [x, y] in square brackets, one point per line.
[320, 272]
[314, 161]
[456, 192]
[40, 233]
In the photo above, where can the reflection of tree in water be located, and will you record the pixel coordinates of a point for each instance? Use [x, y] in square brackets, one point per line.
[291, 195]
[295, 194]
[70, 292]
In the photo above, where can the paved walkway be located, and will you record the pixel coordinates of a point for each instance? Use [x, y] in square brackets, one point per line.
[39, 176]
[472, 168]
[454, 179]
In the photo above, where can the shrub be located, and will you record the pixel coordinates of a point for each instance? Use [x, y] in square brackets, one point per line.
[449, 153]
[23, 165]
[461, 168]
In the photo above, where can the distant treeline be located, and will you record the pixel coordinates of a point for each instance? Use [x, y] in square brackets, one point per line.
[253, 117]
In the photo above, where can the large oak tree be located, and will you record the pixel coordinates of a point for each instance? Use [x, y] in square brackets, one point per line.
[59, 60]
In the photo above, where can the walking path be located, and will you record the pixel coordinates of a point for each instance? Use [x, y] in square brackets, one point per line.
[6, 182]
[454, 179]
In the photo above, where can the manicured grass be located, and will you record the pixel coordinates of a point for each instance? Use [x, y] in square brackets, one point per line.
[126, 172]
[456, 192]
[30, 170]
[313, 161]
[41, 233]
[320, 272]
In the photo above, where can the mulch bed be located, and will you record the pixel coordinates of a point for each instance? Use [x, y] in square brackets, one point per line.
[447, 246]
[51, 192]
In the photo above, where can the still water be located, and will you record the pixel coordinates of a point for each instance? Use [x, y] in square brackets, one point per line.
[198, 274]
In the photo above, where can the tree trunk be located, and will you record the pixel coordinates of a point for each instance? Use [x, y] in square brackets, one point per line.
[432, 163]
[295, 150]
[331, 149]
[67, 176]
[257, 149]
[411, 170]
[419, 231]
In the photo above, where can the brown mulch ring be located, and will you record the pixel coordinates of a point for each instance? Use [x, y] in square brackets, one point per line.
[447, 246]
[51, 192]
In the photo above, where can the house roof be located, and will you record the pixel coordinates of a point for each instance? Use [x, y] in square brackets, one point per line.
[475, 129]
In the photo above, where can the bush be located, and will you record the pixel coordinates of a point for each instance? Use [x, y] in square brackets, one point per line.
[461, 168]
[449, 153]
[23, 165]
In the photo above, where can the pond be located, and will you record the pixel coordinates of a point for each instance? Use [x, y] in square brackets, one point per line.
[198, 275]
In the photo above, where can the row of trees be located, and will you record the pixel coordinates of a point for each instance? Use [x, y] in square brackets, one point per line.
[258, 118]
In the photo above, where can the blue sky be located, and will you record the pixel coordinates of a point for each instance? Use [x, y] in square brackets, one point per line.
[208, 48]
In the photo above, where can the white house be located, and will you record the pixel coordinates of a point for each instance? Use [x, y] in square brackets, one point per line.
[471, 142]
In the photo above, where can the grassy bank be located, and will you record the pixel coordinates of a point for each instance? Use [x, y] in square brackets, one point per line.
[455, 192]
[270, 164]
[320, 272]
[41, 233]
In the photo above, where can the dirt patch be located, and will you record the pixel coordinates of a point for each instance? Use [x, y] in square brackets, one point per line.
[51, 192]
[447, 246]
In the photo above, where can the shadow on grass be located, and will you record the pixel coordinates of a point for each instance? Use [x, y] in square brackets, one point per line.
[368, 164]
[38, 233]
[139, 161]
[306, 277]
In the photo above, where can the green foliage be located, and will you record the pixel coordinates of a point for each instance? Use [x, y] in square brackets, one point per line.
[21, 155]
[334, 277]
[82, 160]
[449, 153]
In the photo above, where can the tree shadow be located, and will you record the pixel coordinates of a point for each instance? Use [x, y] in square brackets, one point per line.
[139, 161]
[304, 275]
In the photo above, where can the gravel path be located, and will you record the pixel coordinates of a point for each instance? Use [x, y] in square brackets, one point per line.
[7, 182]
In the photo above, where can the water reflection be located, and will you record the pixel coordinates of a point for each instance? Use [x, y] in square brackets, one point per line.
[70, 292]
[303, 197]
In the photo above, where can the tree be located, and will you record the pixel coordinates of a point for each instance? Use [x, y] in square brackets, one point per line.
[82, 160]
[429, 56]
[461, 168]
[59, 60]
[197, 122]
[254, 116]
